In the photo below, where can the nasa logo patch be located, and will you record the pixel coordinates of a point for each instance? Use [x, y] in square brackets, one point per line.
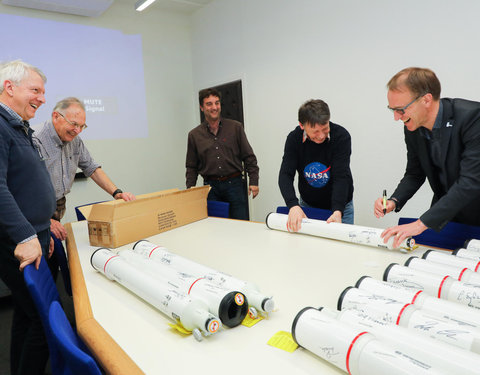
[317, 174]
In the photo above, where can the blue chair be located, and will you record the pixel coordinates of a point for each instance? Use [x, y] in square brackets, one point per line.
[42, 288]
[59, 253]
[310, 212]
[218, 209]
[75, 355]
[452, 236]
[80, 216]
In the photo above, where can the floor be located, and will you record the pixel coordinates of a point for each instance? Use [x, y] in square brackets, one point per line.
[6, 313]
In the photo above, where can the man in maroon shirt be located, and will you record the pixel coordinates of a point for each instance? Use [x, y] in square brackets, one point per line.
[217, 150]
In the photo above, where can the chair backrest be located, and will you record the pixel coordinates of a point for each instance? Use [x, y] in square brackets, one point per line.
[218, 209]
[43, 291]
[452, 236]
[310, 212]
[59, 253]
[80, 216]
[74, 353]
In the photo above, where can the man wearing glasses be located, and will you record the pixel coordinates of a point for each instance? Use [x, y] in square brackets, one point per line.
[63, 151]
[443, 145]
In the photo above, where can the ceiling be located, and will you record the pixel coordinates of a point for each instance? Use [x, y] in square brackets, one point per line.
[97, 7]
[181, 6]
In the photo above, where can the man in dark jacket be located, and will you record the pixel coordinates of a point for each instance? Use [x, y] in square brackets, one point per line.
[27, 202]
[443, 145]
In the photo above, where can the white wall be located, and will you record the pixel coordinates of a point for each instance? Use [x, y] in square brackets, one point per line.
[285, 52]
[140, 165]
[342, 51]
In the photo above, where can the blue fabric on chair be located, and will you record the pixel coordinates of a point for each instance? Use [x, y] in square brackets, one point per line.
[218, 208]
[75, 355]
[80, 216]
[452, 236]
[310, 212]
[59, 253]
[43, 291]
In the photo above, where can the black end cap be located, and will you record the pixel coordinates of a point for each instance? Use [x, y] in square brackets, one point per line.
[425, 255]
[294, 324]
[230, 312]
[387, 270]
[342, 295]
[136, 243]
[266, 219]
[91, 256]
[359, 281]
[408, 261]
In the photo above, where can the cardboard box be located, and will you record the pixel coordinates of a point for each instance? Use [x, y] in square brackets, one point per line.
[116, 223]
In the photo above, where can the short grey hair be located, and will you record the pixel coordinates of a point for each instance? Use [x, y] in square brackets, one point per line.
[67, 102]
[16, 71]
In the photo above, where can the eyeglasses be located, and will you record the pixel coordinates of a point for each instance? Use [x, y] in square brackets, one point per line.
[401, 111]
[74, 124]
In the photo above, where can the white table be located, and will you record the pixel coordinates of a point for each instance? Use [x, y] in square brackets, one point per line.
[298, 270]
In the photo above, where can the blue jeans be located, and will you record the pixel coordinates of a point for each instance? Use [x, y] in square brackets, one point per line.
[347, 217]
[233, 192]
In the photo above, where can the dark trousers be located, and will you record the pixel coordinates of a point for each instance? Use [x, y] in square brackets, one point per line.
[28, 346]
[233, 192]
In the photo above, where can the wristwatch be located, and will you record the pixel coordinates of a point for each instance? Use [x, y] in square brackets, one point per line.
[116, 192]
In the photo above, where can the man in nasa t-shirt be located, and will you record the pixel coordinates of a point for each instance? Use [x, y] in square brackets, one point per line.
[319, 151]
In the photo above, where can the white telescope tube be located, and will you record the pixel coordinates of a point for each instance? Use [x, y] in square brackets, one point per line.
[452, 260]
[459, 273]
[229, 305]
[432, 284]
[473, 244]
[440, 307]
[467, 254]
[162, 255]
[352, 349]
[449, 358]
[193, 315]
[337, 231]
[441, 286]
[452, 332]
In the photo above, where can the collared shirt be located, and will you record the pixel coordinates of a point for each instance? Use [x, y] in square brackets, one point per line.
[63, 158]
[221, 154]
[305, 137]
[15, 115]
[11, 112]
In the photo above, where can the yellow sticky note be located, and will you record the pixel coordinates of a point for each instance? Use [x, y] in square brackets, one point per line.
[250, 322]
[283, 340]
[180, 328]
[410, 249]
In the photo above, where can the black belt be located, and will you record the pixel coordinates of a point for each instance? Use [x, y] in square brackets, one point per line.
[223, 178]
